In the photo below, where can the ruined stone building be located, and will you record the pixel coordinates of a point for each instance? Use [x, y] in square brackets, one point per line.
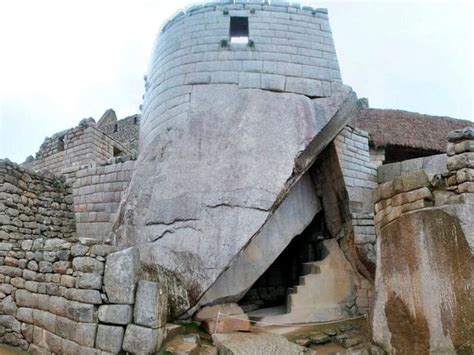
[253, 177]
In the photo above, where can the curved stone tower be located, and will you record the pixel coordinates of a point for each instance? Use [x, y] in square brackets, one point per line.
[240, 99]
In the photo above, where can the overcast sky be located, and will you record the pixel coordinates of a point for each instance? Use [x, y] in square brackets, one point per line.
[61, 61]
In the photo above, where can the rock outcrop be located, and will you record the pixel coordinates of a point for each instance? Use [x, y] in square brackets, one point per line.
[211, 180]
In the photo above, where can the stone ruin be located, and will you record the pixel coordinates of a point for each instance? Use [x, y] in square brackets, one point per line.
[254, 184]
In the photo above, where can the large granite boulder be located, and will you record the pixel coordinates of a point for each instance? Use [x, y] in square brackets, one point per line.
[213, 177]
[425, 282]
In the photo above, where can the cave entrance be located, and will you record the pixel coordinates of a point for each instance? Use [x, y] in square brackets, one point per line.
[272, 288]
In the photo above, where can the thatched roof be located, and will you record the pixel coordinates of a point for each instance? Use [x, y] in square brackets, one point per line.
[407, 129]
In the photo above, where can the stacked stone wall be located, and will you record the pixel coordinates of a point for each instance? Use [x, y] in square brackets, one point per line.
[97, 193]
[424, 223]
[124, 131]
[432, 165]
[345, 179]
[81, 145]
[360, 179]
[291, 50]
[425, 182]
[52, 293]
[377, 156]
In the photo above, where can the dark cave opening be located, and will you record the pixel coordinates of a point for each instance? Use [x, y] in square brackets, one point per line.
[272, 287]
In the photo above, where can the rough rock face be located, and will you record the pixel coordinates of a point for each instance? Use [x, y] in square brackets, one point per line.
[290, 219]
[425, 279]
[213, 177]
[256, 344]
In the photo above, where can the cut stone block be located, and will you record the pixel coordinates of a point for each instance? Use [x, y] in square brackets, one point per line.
[142, 340]
[109, 338]
[227, 324]
[151, 306]
[120, 276]
[115, 314]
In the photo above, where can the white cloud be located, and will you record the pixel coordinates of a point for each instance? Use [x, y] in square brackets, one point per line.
[61, 61]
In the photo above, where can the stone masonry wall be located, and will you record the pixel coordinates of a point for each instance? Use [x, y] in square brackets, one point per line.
[80, 146]
[432, 165]
[360, 176]
[124, 131]
[97, 193]
[52, 291]
[291, 51]
[345, 179]
[424, 223]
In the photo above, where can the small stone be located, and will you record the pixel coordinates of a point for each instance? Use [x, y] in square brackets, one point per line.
[192, 339]
[319, 338]
[79, 250]
[88, 265]
[303, 342]
[67, 281]
[45, 267]
[90, 281]
[109, 338]
[61, 267]
[142, 340]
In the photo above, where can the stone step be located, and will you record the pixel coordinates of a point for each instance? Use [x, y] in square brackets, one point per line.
[311, 268]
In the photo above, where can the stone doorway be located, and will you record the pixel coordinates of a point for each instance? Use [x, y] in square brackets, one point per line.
[273, 287]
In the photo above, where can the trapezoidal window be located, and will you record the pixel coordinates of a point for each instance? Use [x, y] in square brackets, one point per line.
[117, 152]
[239, 29]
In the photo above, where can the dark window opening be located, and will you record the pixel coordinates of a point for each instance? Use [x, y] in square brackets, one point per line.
[117, 152]
[115, 128]
[395, 154]
[273, 287]
[239, 29]
[61, 144]
[135, 120]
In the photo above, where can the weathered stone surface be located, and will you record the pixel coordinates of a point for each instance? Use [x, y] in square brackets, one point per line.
[86, 264]
[211, 312]
[424, 282]
[80, 312]
[289, 220]
[25, 315]
[121, 273]
[109, 338]
[151, 305]
[461, 134]
[115, 314]
[227, 324]
[85, 296]
[244, 160]
[256, 344]
[10, 322]
[142, 340]
[90, 281]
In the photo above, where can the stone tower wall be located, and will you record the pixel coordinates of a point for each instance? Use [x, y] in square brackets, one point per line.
[292, 51]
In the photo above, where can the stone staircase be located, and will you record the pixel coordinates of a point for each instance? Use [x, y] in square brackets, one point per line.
[325, 292]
